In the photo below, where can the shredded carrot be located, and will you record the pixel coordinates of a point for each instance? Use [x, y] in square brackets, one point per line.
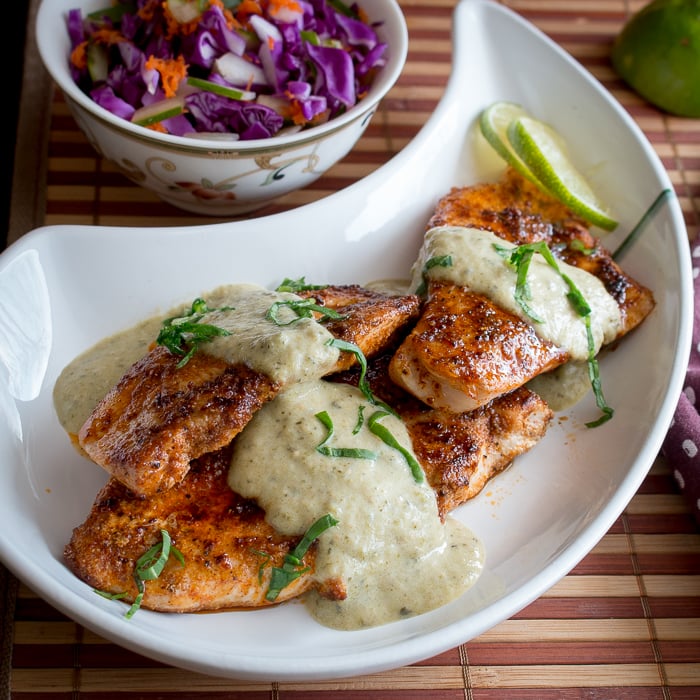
[157, 126]
[294, 112]
[108, 36]
[172, 71]
[78, 56]
[246, 8]
[148, 11]
[362, 16]
[276, 6]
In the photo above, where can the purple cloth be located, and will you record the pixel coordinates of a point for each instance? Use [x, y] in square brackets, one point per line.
[682, 443]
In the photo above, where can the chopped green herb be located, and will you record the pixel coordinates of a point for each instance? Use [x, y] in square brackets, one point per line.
[303, 308]
[299, 285]
[183, 335]
[362, 383]
[577, 244]
[520, 257]
[346, 346]
[386, 436]
[149, 566]
[437, 261]
[266, 560]
[351, 452]
[293, 566]
[637, 230]
[110, 596]
[360, 419]
[343, 8]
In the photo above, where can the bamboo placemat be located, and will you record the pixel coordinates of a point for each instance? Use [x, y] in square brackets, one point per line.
[625, 623]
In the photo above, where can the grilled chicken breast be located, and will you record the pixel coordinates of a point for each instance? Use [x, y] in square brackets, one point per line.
[228, 547]
[159, 417]
[371, 320]
[465, 351]
[519, 212]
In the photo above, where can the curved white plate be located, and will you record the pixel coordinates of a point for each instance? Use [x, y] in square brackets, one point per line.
[64, 287]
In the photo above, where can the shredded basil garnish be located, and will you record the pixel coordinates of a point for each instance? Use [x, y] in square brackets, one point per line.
[648, 214]
[520, 257]
[266, 560]
[360, 419]
[386, 436]
[352, 452]
[362, 383]
[293, 566]
[436, 261]
[298, 285]
[183, 335]
[303, 308]
[346, 346]
[149, 566]
[577, 245]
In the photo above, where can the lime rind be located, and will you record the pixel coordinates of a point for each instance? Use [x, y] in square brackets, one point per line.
[540, 148]
[493, 123]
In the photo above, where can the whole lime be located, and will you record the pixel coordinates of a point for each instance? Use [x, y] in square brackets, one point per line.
[658, 54]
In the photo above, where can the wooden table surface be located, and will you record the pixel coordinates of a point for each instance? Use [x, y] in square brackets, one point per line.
[625, 623]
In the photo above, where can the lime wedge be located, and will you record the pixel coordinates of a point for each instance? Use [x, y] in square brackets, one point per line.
[493, 122]
[543, 152]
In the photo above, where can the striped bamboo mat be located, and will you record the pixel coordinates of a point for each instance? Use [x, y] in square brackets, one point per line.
[625, 623]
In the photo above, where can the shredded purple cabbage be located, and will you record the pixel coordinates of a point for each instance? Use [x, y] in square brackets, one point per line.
[318, 58]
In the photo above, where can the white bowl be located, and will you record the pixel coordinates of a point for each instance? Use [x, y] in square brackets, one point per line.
[207, 175]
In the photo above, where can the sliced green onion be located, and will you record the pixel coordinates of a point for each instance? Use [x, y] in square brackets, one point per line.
[310, 36]
[386, 436]
[646, 218]
[293, 567]
[352, 452]
[303, 308]
[183, 335]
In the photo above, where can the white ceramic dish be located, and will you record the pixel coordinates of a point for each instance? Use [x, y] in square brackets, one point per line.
[64, 287]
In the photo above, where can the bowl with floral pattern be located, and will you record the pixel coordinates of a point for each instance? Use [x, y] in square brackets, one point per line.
[221, 108]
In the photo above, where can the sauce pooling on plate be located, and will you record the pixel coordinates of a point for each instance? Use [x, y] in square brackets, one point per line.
[390, 549]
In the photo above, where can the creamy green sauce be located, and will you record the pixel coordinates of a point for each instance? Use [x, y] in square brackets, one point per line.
[564, 386]
[86, 380]
[395, 556]
[286, 353]
[289, 353]
[478, 266]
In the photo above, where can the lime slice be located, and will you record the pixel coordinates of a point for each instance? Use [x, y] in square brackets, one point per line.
[542, 151]
[494, 123]
[657, 53]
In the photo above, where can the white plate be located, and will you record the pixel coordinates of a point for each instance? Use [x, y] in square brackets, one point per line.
[64, 287]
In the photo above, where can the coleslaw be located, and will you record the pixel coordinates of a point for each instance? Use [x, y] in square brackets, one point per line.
[240, 69]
